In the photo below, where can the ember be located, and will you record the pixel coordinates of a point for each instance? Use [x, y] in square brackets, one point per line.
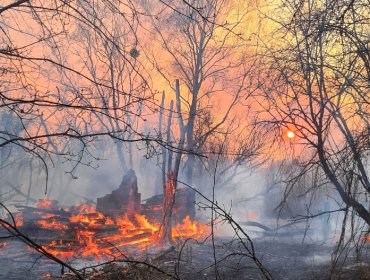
[46, 276]
[44, 203]
[365, 238]
[18, 219]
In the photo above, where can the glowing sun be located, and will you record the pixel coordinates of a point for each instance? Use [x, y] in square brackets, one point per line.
[290, 134]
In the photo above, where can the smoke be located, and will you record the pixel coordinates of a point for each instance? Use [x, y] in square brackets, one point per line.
[253, 196]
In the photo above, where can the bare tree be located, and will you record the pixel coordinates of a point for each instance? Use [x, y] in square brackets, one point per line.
[56, 95]
[317, 87]
[116, 62]
[200, 50]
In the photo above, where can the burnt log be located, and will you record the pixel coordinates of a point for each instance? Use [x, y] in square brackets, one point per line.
[125, 199]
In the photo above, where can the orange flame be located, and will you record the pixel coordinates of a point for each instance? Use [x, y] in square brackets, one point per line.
[88, 233]
[190, 228]
[51, 224]
[44, 204]
[19, 219]
[46, 276]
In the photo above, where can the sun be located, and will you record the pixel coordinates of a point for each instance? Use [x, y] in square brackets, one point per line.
[290, 134]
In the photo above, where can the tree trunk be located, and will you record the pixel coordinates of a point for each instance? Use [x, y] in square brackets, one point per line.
[169, 190]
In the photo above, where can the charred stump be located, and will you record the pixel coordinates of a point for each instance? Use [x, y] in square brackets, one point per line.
[125, 199]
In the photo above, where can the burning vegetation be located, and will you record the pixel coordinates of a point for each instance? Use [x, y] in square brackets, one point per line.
[82, 231]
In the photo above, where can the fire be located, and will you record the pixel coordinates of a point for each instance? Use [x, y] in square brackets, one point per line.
[46, 276]
[51, 224]
[142, 220]
[189, 228]
[81, 231]
[252, 215]
[57, 250]
[44, 204]
[49, 215]
[365, 238]
[19, 219]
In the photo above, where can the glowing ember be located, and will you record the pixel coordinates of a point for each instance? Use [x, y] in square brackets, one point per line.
[252, 215]
[365, 238]
[44, 204]
[46, 276]
[48, 216]
[19, 219]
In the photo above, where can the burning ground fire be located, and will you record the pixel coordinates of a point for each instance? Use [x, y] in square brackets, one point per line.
[3, 244]
[81, 231]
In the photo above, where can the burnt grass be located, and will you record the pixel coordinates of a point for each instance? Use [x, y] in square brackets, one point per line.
[193, 260]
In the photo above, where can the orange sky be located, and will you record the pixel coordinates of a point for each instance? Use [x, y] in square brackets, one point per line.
[74, 55]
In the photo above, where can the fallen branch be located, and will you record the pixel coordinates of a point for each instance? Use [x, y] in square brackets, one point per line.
[13, 230]
[302, 217]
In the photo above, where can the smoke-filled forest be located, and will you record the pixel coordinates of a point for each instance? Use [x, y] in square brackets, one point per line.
[185, 139]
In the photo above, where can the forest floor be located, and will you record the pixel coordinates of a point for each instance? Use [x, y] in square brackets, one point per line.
[284, 260]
